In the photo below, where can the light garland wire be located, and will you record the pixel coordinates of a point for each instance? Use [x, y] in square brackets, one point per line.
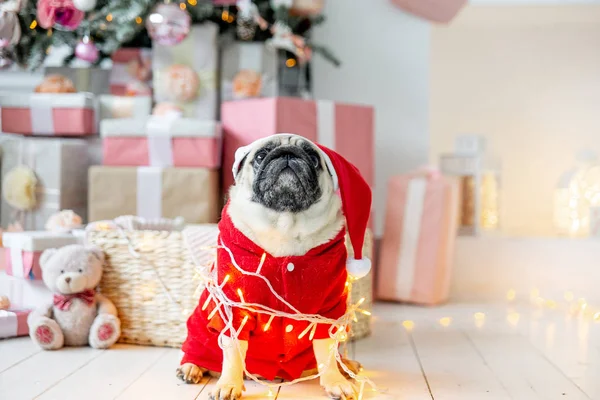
[224, 306]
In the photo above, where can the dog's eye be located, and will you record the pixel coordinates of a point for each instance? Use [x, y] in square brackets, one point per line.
[260, 157]
[315, 160]
[80, 271]
[62, 271]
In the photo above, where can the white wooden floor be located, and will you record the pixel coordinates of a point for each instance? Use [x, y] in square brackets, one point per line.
[455, 352]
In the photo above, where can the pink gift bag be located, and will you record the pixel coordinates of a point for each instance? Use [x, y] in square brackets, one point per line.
[23, 251]
[13, 323]
[48, 114]
[348, 129]
[421, 224]
[161, 141]
[441, 11]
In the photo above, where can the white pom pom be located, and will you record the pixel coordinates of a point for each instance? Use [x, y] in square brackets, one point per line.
[358, 268]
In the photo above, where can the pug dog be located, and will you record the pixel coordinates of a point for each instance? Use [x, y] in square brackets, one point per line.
[284, 204]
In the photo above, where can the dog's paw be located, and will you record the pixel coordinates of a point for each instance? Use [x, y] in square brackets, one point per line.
[228, 389]
[338, 387]
[190, 373]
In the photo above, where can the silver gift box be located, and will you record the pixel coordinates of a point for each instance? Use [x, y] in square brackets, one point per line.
[60, 165]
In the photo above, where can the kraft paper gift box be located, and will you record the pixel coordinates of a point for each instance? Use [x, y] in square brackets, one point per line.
[48, 114]
[23, 251]
[60, 166]
[24, 294]
[252, 69]
[421, 223]
[124, 106]
[151, 192]
[161, 141]
[129, 65]
[348, 129]
[13, 323]
[441, 11]
[174, 68]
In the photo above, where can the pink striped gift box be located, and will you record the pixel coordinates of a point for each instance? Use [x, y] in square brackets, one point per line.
[161, 141]
[418, 242]
[48, 114]
[13, 323]
[23, 251]
[348, 129]
[441, 11]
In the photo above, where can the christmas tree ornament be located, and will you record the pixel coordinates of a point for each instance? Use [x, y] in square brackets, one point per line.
[246, 28]
[179, 83]
[247, 83]
[56, 83]
[307, 7]
[61, 12]
[86, 50]
[168, 24]
[85, 5]
[10, 30]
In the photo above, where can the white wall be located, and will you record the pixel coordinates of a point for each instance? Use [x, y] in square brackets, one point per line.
[385, 55]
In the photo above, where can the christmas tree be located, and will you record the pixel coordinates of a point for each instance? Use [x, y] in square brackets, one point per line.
[94, 29]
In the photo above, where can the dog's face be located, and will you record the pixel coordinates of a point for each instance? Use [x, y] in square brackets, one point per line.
[285, 174]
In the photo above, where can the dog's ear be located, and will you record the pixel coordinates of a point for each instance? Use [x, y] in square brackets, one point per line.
[241, 166]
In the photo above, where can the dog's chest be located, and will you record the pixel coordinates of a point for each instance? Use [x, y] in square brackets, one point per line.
[76, 320]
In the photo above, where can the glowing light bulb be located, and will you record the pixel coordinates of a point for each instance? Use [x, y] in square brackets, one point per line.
[569, 296]
[513, 318]
[239, 292]
[534, 294]
[597, 317]
[511, 295]
[445, 322]
[367, 313]
[268, 324]
[207, 302]
[270, 393]
[289, 328]
[408, 325]
[362, 300]
[551, 304]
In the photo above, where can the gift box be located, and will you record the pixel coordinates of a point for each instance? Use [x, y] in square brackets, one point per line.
[186, 73]
[161, 141]
[441, 11]
[251, 69]
[13, 323]
[151, 192]
[23, 251]
[417, 248]
[60, 169]
[45, 114]
[130, 65]
[348, 129]
[24, 294]
[124, 106]
[92, 80]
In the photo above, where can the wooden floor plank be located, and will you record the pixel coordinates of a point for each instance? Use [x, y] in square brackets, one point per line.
[15, 350]
[119, 367]
[33, 376]
[159, 382]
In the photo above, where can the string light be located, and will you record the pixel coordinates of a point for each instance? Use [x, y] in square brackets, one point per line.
[569, 296]
[511, 295]
[513, 318]
[597, 317]
[268, 324]
[225, 15]
[182, 6]
[239, 292]
[445, 322]
[109, 17]
[192, 2]
[33, 24]
[408, 325]
[207, 302]
[290, 63]
[138, 20]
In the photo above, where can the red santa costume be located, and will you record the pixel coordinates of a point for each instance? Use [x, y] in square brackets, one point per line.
[314, 283]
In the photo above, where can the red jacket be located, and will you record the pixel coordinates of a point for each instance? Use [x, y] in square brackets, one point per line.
[314, 283]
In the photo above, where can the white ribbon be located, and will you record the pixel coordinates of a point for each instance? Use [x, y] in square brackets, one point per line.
[326, 123]
[160, 140]
[42, 121]
[149, 192]
[16, 259]
[9, 324]
[411, 229]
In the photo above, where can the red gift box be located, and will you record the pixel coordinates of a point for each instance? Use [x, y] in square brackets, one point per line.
[13, 323]
[43, 114]
[348, 129]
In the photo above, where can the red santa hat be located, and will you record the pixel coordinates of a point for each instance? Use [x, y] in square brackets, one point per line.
[354, 192]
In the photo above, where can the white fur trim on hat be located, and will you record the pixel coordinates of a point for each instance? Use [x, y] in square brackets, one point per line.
[245, 150]
[358, 268]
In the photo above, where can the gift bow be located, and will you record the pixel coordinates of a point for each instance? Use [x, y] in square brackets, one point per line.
[63, 301]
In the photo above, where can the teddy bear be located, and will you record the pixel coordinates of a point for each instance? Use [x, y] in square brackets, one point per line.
[78, 315]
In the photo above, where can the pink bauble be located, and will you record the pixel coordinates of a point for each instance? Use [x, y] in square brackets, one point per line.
[168, 24]
[179, 83]
[86, 50]
[307, 7]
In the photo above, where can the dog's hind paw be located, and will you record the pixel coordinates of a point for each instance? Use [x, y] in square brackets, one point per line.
[190, 373]
[227, 389]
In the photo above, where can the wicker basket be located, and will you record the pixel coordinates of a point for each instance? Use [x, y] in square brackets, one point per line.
[150, 276]
[154, 286]
[362, 288]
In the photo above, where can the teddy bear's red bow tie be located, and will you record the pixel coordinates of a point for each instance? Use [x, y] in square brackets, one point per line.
[63, 301]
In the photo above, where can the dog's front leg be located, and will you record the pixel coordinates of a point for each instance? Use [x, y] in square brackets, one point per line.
[231, 383]
[332, 380]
